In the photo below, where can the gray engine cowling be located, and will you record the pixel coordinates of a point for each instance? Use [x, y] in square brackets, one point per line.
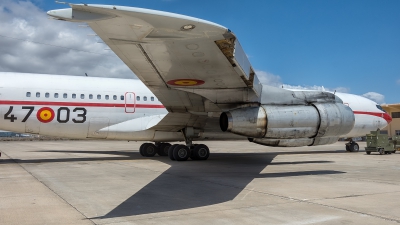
[316, 124]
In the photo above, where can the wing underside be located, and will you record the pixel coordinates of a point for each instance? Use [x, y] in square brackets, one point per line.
[188, 63]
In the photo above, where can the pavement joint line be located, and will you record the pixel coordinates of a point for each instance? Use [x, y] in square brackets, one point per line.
[195, 213]
[48, 188]
[354, 196]
[261, 192]
[368, 180]
[354, 211]
[295, 199]
[280, 196]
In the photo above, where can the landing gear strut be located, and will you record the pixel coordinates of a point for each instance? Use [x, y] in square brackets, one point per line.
[352, 146]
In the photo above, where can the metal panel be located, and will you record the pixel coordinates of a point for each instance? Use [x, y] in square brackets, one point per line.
[241, 59]
[95, 125]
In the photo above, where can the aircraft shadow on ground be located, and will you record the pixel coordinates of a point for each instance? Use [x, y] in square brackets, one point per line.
[194, 184]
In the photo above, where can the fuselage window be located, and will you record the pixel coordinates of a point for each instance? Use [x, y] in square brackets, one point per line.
[98, 96]
[82, 96]
[152, 99]
[90, 96]
[73, 95]
[55, 95]
[122, 97]
[138, 98]
[28, 94]
[65, 95]
[107, 97]
[115, 97]
[145, 98]
[37, 94]
[47, 95]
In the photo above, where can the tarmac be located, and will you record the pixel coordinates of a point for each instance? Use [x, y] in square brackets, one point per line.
[108, 182]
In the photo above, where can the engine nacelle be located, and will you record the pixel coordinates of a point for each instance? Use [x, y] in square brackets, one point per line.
[320, 123]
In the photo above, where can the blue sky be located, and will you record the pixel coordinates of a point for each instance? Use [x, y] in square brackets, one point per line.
[349, 44]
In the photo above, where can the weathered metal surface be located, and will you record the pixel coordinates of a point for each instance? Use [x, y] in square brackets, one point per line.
[250, 122]
[325, 140]
[320, 123]
[279, 96]
[291, 121]
[283, 142]
[335, 119]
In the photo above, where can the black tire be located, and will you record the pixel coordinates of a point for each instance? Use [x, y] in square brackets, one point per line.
[171, 152]
[381, 151]
[368, 152]
[181, 153]
[347, 148]
[354, 147]
[141, 149]
[201, 152]
[149, 150]
[163, 149]
[192, 155]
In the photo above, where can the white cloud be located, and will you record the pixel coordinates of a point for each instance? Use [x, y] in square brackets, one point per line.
[378, 98]
[269, 78]
[276, 81]
[23, 20]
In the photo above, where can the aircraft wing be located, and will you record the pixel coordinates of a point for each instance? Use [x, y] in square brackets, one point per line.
[188, 63]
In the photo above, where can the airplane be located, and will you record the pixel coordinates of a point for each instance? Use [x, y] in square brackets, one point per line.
[83, 107]
[195, 81]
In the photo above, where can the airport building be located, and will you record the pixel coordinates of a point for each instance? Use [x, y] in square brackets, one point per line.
[394, 127]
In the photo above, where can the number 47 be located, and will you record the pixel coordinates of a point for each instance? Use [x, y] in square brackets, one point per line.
[12, 118]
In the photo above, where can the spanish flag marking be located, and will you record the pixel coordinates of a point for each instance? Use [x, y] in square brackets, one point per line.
[185, 82]
[45, 115]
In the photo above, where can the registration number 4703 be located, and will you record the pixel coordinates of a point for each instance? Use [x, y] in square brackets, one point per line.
[47, 114]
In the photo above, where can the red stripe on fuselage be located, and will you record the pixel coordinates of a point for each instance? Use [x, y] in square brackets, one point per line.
[383, 115]
[87, 104]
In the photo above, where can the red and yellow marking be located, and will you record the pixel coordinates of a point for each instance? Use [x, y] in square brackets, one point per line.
[185, 82]
[45, 115]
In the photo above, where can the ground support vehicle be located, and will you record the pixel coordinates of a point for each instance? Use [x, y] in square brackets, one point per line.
[377, 142]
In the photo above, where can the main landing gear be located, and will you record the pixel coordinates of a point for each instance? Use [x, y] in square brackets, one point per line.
[352, 146]
[175, 152]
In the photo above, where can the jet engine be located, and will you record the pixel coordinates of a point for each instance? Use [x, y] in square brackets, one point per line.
[290, 125]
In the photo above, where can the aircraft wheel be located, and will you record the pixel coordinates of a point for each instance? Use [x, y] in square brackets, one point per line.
[181, 153]
[368, 152]
[149, 150]
[347, 148]
[201, 152]
[171, 152]
[141, 149]
[354, 147]
[163, 149]
[381, 151]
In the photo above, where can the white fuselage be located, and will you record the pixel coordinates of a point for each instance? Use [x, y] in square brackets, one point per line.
[84, 107]
[81, 105]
